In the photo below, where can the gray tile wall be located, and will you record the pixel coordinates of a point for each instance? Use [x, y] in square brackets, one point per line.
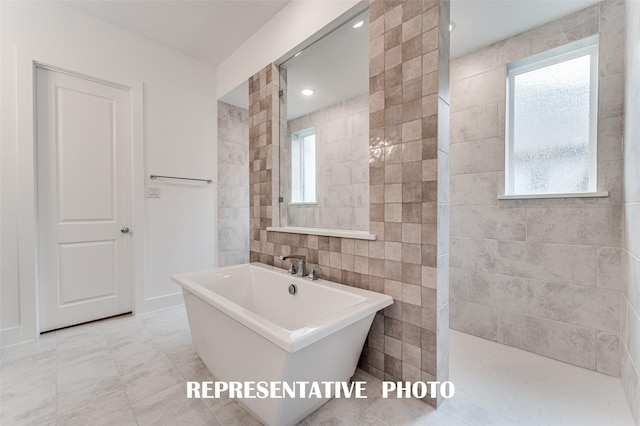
[631, 235]
[233, 185]
[541, 275]
[342, 154]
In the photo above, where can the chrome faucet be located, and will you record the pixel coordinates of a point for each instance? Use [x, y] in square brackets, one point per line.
[301, 261]
[313, 274]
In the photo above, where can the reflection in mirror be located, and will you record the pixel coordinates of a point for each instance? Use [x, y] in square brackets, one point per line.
[324, 140]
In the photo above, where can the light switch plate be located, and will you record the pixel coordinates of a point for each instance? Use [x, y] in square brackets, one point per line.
[153, 192]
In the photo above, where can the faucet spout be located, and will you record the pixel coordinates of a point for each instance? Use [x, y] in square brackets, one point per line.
[301, 262]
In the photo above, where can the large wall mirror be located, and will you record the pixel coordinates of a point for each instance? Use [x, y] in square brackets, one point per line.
[324, 131]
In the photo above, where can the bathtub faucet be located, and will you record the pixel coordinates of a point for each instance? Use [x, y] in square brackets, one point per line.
[301, 260]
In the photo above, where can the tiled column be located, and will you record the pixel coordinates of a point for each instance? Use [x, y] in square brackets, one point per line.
[263, 137]
[408, 178]
[409, 166]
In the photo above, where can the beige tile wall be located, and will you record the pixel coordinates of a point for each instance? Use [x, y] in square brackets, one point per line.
[540, 275]
[408, 176]
[263, 165]
[631, 239]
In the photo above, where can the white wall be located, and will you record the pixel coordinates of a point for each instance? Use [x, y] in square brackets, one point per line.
[175, 232]
[295, 23]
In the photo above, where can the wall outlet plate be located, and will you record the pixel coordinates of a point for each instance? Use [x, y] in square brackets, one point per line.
[153, 192]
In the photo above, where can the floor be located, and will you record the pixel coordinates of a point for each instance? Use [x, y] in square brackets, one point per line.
[132, 370]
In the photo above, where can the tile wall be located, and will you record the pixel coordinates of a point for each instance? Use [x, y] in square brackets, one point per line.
[342, 157]
[233, 185]
[264, 123]
[408, 177]
[540, 275]
[409, 167]
[630, 365]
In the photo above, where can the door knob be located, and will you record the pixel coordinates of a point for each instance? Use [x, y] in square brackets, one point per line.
[125, 230]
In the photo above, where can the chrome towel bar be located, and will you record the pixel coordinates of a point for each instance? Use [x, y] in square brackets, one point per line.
[181, 178]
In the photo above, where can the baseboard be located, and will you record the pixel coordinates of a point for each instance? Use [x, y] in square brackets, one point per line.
[10, 336]
[156, 303]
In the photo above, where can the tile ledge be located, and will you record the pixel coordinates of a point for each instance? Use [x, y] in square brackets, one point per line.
[565, 195]
[358, 235]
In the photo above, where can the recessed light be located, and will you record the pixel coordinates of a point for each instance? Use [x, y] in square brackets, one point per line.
[298, 54]
[358, 24]
[307, 92]
[452, 26]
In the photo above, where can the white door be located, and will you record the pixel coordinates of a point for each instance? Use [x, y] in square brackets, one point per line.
[84, 244]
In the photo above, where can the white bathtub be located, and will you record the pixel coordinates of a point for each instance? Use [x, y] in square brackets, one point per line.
[247, 327]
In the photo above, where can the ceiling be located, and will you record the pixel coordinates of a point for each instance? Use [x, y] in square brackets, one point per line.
[209, 30]
[336, 68]
[479, 23]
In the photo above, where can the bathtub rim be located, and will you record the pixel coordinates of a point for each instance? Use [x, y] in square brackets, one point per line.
[289, 340]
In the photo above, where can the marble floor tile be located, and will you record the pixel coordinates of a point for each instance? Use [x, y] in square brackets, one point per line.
[81, 344]
[213, 404]
[20, 381]
[150, 378]
[45, 343]
[111, 409]
[399, 411]
[41, 416]
[171, 407]
[166, 328]
[373, 389]
[181, 352]
[135, 354]
[18, 406]
[133, 369]
[234, 415]
[125, 329]
[341, 412]
[25, 371]
[82, 382]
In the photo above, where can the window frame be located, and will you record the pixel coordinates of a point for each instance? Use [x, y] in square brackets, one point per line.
[580, 48]
[298, 135]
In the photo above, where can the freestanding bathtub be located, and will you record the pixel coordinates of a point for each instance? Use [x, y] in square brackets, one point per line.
[246, 326]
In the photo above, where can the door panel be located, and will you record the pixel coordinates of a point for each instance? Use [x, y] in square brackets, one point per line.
[87, 262]
[80, 198]
[84, 144]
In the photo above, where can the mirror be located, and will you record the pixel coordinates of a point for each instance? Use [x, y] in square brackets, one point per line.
[324, 140]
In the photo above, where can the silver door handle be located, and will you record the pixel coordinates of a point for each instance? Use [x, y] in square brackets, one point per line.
[125, 230]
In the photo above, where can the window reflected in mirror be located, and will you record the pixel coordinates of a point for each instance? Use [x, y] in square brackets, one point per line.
[303, 166]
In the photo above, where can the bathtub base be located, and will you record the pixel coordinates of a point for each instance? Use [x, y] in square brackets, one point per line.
[233, 352]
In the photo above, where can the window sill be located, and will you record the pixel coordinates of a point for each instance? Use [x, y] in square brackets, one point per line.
[565, 195]
[357, 235]
[304, 203]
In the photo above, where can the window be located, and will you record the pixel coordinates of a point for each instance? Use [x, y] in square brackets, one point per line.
[551, 121]
[303, 166]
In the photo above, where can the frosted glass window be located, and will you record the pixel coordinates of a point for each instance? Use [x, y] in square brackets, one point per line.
[552, 112]
[303, 166]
